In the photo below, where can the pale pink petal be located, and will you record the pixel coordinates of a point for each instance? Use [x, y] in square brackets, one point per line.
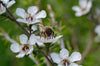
[73, 64]
[76, 8]
[20, 55]
[23, 39]
[56, 38]
[75, 56]
[30, 50]
[89, 4]
[10, 3]
[34, 27]
[78, 14]
[5, 1]
[32, 10]
[83, 3]
[22, 20]
[15, 47]
[21, 12]
[64, 53]
[41, 14]
[55, 57]
[32, 40]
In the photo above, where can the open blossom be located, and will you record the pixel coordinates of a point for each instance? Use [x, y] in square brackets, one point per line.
[63, 59]
[25, 48]
[83, 8]
[32, 16]
[41, 41]
[97, 30]
[50, 40]
[7, 3]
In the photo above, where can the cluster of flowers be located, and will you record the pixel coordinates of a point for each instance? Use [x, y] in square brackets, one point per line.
[33, 17]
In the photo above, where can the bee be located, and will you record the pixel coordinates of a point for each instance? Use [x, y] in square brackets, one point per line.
[46, 31]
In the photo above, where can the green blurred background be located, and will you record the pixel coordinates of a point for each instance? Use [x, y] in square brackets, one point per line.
[80, 26]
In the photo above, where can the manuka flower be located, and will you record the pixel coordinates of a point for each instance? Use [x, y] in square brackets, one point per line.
[47, 35]
[32, 16]
[83, 8]
[7, 3]
[97, 30]
[25, 48]
[63, 59]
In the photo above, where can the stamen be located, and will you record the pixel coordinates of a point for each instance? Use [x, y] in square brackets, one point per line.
[25, 48]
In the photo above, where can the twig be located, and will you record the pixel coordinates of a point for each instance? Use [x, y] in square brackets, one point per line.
[49, 54]
[89, 45]
[8, 38]
[44, 54]
[74, 42]
[33, 59]
[14, 19]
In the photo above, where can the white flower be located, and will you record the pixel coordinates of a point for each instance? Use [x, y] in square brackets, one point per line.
[32, 16]
[25, 48]
[83, 8]
[97, 30]
[64, 59]
[43, 40]
[34, 27]
[7, 3]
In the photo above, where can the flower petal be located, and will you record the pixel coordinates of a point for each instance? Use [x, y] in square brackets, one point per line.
[41, 14]
[5, 1]
[23, 39]
[75, 56]
[97, 30]
[15, 47]
[32, 40]
[78, 14]
[64, 53]
[60, 64]
[55, 57]
[76, 8]
[21, 12]
[22, 20]
[89, 4]
[32, 10]
[83, 3]
[73, 64]
[35, 21]
[55, 39]
[20, 55]
[30, 50]
[40, 43]
[10, 3]
[34, 27]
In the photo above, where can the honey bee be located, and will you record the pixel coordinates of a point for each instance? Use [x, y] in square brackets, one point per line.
[46, 31]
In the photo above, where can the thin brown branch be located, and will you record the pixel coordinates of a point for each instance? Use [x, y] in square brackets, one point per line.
[89, 45]
[44, 54]
[74, 42]
[14, 19]
[49, 54]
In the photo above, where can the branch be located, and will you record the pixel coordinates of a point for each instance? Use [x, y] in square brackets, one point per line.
[89, 45]
[74, 42]
[33, 59]
[44, 54]
[49, 54]
[14, 19]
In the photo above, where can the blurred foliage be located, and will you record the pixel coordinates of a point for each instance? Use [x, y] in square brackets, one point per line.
[80, 26]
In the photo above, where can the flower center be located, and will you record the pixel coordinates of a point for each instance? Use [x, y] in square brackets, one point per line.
[66, 61]
[29, 18]
[25, 47]
[47, 33]
[83, 9]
